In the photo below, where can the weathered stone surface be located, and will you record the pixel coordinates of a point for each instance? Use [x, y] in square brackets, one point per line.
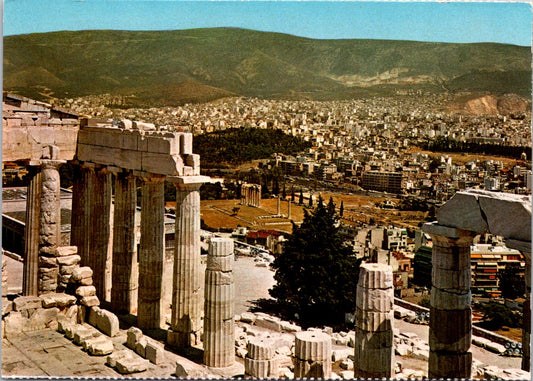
[98, 346]
[81, 273]
[112, 359]
[248, 317]
[373, 340]
[128, 365]
[26, 302]
[86, 281]
[49, 262]
[444, 365]
[312, 369]
[374, 361]
[449, 300]
[69, 260]
[13, 323]
[374, 321]
[140, 347]
[376, 300]
[450, 330]
[82, 333]
[84, 291]
[92, 315]
[155, 353]
[68, 270]
[269, 322]
[261, 369]
[261, 348]
[7, 306]
[134, 334]
[470, 216]
[375, 275]
[57, 300]
[315, 346]
[220, 263]
[65, 251]
[90, 301]
[456, 280]
[107, 322]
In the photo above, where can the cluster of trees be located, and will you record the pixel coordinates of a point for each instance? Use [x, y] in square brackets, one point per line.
[239, 145]
[445, 144]
[317, 273]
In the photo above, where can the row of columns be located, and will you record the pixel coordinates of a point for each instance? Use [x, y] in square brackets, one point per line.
[251, 195]
[131, 280]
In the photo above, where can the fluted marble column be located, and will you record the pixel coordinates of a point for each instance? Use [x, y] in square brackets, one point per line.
[260, 361]
[100, 239]
[31, 234]
[150, 313]
[219, 329]
[374, 353]
[526, 322]
[187, 300]
[82, 208]
[450, 322]
[49, 225]
[124, 268]
[312, 352]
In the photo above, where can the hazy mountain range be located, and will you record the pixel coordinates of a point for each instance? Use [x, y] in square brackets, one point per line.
[172, 67]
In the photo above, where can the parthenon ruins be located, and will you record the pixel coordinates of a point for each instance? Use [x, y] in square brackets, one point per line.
[104, 264]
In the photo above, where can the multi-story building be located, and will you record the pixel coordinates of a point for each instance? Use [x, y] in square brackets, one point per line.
[391, 182]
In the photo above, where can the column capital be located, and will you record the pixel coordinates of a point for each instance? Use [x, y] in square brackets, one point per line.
[434, 229]
[45, 163]
[153, 178]
[189, 180]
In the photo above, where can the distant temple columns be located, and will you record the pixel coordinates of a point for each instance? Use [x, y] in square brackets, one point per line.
[187, 300]
[150, 313]
[124, 269]
[450, 324]
[251, 195]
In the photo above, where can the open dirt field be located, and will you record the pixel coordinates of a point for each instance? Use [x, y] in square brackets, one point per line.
[357, 209]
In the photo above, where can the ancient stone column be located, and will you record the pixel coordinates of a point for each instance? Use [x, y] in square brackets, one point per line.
[374, 354]
[82, 207]
[125, 269]
[150, 313]
[312, 352]
[31, 234]
[260, 361]
[526, 322]
[187, 300]
[100, 240]
[219, 329]
[279, 206]
[450, 322]
[49, 225]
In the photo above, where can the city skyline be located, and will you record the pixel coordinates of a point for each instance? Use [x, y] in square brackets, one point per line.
[461, 22]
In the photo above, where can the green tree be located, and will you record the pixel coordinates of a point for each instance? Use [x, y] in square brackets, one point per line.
[301, 198]
[341, 209]
[316, 275]
[293, 196]
[497, 315]
[512, 285]
[310, 200]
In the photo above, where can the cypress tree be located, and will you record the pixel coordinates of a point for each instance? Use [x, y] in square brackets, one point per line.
[316, 275]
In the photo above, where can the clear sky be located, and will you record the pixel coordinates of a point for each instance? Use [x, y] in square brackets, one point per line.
[421, 21]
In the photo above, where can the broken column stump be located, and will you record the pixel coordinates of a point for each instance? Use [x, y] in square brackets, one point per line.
[219, 329]
[312, 352]
[374, 354]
